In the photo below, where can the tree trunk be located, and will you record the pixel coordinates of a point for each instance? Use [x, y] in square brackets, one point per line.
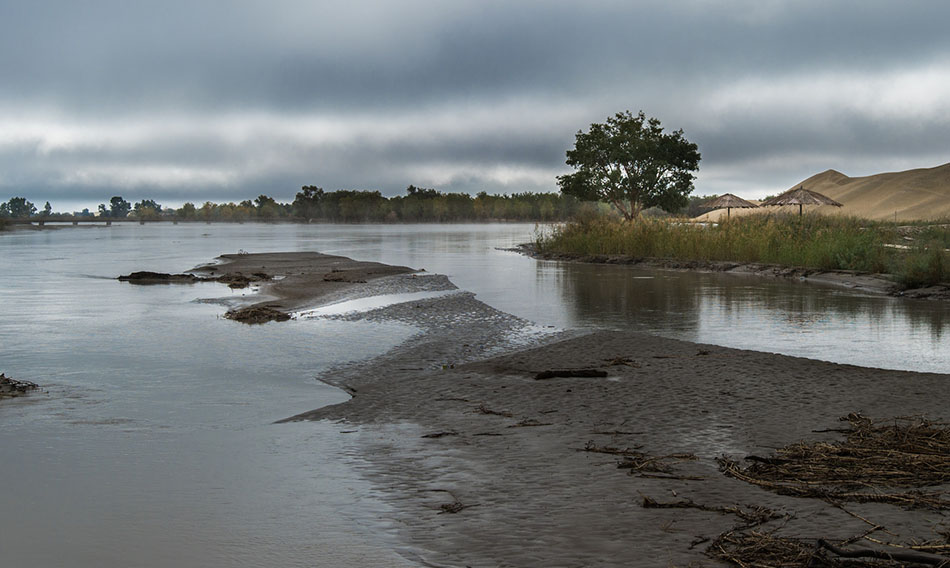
[635, 209]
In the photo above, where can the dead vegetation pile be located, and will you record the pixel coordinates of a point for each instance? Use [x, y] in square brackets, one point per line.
[888, 462]
[903, 461]
[765, 549]
[892, 462]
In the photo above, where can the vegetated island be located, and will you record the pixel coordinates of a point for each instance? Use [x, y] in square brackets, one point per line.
[496, 445]
[875, 256]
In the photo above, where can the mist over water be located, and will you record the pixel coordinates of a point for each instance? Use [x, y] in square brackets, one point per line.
[155, 444]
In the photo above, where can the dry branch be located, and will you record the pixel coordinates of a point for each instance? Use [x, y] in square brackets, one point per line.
[875, 464]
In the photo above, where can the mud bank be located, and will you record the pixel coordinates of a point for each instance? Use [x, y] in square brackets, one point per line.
[872, 283]
[487, 466]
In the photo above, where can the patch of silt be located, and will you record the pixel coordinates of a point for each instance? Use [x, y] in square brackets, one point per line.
[257, 315]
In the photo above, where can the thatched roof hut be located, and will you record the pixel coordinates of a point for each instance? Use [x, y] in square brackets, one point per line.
[801, 197]
[727, 201]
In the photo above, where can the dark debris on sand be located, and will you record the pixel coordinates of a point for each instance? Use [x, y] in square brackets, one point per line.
[257, 314]
[11, 388]
[887, 462]
[234, 280]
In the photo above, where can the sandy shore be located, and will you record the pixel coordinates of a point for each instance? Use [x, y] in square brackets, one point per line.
[511, 447]
[486, 466]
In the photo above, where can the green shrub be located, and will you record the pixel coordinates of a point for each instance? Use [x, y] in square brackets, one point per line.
[809, 241]
[923, 267]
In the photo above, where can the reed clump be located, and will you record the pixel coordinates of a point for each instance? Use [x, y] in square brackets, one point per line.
[808, 241]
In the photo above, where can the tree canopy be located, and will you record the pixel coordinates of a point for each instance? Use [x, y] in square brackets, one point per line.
[17, 207]
[631, 163]
[118, 208]
[147, 209]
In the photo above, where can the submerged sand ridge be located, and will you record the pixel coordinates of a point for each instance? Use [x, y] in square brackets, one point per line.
[301, 279]
[288, 281]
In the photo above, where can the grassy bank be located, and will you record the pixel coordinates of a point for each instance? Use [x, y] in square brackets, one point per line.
[914, 255]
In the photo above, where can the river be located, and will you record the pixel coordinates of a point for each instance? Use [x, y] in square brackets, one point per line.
[154, 443]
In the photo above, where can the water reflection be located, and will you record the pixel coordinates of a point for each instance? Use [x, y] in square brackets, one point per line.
[787, 316]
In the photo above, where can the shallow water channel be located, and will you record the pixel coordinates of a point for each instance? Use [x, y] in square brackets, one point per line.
[154, 443]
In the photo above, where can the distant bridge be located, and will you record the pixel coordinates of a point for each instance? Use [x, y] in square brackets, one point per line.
[67, 219]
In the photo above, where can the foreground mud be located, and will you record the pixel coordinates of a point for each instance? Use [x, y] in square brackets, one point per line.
[499, 443]
[489, 466]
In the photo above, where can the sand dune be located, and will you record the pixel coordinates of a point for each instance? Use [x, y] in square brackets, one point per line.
[920, 194]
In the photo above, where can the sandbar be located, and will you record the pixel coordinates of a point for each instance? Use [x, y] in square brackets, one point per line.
[483, 464]
[486, 466]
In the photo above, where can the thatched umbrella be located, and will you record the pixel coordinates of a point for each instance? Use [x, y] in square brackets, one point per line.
[729, 201]
[801, 197]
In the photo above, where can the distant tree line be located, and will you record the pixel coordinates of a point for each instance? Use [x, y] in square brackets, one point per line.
[312, 203]
[428, 205]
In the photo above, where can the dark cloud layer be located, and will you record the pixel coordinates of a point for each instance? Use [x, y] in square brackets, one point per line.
[225, 99]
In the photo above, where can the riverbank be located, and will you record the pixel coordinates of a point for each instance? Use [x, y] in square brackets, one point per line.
[484, 465]
[884, 284]
[915, 258]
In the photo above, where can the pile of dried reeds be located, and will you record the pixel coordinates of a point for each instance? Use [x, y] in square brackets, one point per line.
[764, 549]
[875, 463]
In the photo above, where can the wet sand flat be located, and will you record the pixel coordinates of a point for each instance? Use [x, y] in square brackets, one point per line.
[485, 465]
[509, 448]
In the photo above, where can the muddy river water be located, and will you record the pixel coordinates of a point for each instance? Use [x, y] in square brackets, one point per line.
[154, 443]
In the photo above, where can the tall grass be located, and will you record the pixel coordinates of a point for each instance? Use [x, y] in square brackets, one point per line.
[810, 241]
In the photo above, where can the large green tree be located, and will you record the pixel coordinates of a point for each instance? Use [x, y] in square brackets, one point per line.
[631, 163]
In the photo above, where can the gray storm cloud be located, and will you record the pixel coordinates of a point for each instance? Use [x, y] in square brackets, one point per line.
[224, 100]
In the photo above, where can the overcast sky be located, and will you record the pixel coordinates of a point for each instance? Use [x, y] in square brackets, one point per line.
[223, 100]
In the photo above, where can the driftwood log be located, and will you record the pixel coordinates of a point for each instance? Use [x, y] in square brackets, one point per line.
[917, 557]
[550, 374]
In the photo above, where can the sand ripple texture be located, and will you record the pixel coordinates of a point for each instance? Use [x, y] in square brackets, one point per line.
[485, 466]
